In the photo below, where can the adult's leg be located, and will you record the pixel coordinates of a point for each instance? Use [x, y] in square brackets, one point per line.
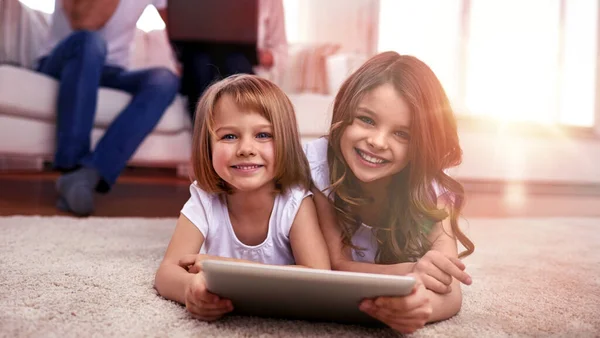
[237, 63]
[77, 62]
[152, 92]
[200, 71]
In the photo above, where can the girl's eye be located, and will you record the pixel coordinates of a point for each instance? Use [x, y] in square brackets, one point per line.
[402, 134]
[366, 120]
[228, 137]
[264, 135]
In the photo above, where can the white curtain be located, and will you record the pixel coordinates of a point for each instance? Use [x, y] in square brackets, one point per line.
[319, 32]
[351, 24]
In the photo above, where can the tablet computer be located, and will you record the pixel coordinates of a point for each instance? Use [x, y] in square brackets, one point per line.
[300, 293]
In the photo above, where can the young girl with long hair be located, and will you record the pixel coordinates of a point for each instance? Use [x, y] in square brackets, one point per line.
[384, 200]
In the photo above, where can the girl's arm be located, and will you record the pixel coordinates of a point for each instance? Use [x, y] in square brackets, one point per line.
[446, 305]
[341, 257]
[306, 239]
[171, 279]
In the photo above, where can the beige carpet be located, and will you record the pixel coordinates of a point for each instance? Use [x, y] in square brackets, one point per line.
[93, 277]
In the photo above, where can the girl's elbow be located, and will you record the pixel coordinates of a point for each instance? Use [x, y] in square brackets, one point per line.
[458, 298]
[454, 305]
[158, 280]
[337, 263]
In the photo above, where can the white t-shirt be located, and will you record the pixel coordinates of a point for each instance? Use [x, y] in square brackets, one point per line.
[208, 212]
[316, 153]
[118, 32]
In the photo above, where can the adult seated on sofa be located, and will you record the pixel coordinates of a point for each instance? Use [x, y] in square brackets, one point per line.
[88, 47]
[200, 68]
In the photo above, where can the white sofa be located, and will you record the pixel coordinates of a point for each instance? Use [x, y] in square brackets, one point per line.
[28, 110]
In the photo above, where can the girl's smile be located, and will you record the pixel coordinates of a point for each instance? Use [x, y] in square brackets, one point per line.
[247, 168]
[369, 159]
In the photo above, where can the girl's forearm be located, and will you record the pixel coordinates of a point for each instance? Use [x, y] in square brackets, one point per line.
[446, 305]
[171, 281]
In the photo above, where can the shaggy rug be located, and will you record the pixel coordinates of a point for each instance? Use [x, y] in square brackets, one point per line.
[70, 277]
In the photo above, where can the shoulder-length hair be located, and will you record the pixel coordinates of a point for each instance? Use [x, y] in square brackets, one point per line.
[433, 147]
[258, 95]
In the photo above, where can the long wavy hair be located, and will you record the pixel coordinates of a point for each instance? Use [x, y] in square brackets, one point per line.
[433, 147]
[258, 95]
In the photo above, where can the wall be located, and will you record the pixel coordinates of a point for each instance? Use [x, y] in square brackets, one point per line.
[350, 23]
[558, 159]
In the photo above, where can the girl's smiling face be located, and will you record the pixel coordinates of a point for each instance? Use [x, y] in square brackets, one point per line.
[375, 145]
[243, 151]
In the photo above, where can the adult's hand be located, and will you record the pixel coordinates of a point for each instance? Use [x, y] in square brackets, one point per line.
[265, 58]
[89, 14]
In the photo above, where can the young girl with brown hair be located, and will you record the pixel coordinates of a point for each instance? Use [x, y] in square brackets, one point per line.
[384, 200]
[251, 199]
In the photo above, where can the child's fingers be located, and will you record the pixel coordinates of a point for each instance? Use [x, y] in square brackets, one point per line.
[200, 293]
[398, 305]
[397, 321]
[202, 314]
[221, 304]
[401, 304]
[194, 268]
[187, 260]
[206, 311]
[435, 285]
[449, 267]
[458, 263]
[206, 297]
[439, 274]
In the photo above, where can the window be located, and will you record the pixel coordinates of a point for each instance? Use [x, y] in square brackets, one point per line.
[517, 60]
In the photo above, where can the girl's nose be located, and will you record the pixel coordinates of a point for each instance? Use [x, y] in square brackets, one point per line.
[246, 148]
[378, 140]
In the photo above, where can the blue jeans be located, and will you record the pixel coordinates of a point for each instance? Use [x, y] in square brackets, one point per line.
[78, 62]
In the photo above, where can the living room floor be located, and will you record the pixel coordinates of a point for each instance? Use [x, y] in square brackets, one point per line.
[143, 192]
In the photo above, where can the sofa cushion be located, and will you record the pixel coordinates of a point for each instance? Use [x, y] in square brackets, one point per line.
[30, 94]
[26, 138]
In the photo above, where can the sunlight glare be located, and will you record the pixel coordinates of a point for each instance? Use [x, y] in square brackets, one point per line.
[579, 80]
[412, 27]
[46, 6]
[515, 195]
[150, 20]
[512, 72]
